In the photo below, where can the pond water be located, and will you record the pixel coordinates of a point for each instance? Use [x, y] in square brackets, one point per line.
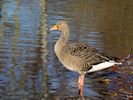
[29, 68]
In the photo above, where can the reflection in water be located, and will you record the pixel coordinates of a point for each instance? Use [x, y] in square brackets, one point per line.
[20, 71]
[44, 51]
[29, 68]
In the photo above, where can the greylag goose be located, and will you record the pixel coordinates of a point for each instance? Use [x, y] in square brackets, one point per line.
[79, 57]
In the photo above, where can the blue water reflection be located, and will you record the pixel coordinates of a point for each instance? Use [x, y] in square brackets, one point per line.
[29, 68]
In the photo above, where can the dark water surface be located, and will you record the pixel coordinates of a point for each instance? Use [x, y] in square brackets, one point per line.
[29, 69]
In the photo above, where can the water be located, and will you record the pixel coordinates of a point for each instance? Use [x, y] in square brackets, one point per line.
[29, 69]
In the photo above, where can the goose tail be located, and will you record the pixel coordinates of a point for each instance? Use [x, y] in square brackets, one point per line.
[104, 65]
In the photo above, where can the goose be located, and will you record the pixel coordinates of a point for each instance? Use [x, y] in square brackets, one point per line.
[79, 57]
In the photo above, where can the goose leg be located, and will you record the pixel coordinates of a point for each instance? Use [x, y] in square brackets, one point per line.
[79, 82]
[82, 85]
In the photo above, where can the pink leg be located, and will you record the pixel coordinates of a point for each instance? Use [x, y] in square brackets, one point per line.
[82, 85]
[79, 82]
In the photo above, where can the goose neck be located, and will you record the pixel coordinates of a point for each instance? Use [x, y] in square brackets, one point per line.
[64, 37]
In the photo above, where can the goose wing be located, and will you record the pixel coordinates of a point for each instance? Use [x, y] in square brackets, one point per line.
[87, 54]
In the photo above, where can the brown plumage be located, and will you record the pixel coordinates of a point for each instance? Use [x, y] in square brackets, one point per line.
[78, 57]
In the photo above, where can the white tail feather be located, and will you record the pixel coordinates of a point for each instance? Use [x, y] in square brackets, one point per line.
[102, 66]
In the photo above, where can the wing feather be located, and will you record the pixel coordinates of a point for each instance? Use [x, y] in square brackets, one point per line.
[86, 53]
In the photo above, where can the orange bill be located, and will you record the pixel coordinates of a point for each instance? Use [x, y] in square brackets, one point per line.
[55, 27]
